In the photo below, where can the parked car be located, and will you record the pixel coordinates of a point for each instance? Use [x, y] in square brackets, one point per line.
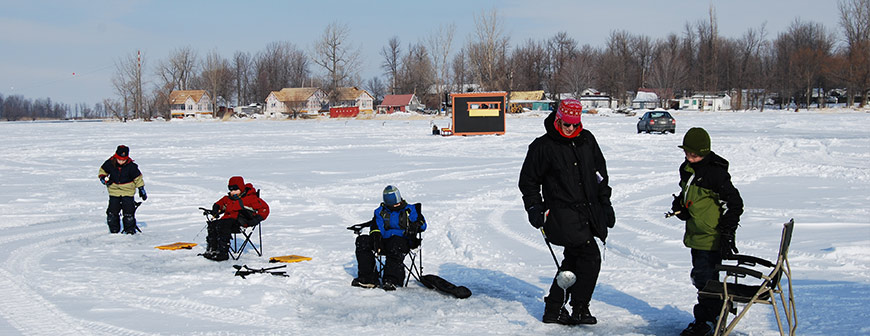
[657, 121]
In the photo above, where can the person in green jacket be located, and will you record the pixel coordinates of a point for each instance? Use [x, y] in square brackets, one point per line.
[711, 207]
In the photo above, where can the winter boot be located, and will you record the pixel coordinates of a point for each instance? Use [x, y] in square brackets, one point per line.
[388, 285]
[129, 224]
[697, 329]
[581, 315]
[114, 222]
[560, 316]
[364, 282]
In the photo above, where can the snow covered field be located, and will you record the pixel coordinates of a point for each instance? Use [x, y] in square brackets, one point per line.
[62, 273]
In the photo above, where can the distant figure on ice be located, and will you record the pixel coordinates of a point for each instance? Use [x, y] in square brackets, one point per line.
[711, 207]
[566, 166]
[435, 130]
[122, 177]
[242, 207]
[392, 232]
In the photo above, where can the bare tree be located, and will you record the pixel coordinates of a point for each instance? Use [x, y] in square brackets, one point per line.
[440, 43]
[392, 58]
[530, 66]
[487, 51]
[217, 77]
[174, 73]
[127, 82]
[562, 49]
[376, 88]
[579, 74]
[803, 54]
[279, 66]
[669, 68]
[416, 74]
[334, 53]
[242, 64]
[855, 21]
[460, 66]
[614, 69]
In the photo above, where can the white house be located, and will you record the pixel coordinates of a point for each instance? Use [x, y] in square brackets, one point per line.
[706, 102]
[645, 100]
[352, 96]
[594, 99]
[290, 101]
[190, 103]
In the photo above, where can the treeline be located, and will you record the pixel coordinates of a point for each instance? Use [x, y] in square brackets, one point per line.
[17, 107]
[786, 67]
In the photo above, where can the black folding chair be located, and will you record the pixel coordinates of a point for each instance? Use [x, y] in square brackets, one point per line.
[733, 293]
[237, 249]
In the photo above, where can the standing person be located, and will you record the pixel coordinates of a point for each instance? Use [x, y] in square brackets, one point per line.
[393, 232]
[567, 166]
[711, 207]
[241, 207]
[122, 177]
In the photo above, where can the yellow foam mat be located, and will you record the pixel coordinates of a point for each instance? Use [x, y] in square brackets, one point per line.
[176, 246]
[288, 259]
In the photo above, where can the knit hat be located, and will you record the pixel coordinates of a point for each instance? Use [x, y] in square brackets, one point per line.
[122, 153]
[569, 111]
[392, 196]
[236, 182]
[696, 141]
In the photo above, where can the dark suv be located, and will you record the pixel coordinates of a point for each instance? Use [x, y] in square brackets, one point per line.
[657, 121]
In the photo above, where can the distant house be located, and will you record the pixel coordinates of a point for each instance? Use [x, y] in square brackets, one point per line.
[706, 102]
[528, 100]
[190, 103]
[291, 101]
[594, 99]
[399, 103]
[352, 96]
[645, 99]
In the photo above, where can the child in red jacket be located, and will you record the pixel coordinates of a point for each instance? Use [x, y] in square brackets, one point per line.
[241, 207]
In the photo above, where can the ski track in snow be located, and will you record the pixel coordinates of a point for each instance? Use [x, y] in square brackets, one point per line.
[62, 274]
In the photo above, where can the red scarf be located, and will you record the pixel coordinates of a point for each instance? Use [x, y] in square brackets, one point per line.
[569, 136]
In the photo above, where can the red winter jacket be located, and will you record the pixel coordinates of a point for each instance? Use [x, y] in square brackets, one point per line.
[248, 199]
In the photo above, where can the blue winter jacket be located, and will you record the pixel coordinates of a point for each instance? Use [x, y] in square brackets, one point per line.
[395, 223]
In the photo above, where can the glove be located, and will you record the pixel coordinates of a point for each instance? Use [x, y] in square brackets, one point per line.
[105, 180]
[679, 210]
[142, 193]
[215, 210]
[536, 215]
[727, 246]
[377, 242]
[414, 228]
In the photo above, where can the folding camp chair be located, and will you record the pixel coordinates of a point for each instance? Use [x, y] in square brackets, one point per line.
[237, 249]
[732, 293]
[412, 260]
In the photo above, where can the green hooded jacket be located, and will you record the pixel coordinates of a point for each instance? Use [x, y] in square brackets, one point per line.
[713, 202]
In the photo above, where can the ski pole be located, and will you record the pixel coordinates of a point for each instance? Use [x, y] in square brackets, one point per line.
[551, 249]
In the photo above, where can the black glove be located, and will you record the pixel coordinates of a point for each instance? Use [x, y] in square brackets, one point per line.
[142, 193]
[414, 229]
[215, 210]
[727, 246]
[679, 210]
[377, 242]
[105, 180]
[536, 215]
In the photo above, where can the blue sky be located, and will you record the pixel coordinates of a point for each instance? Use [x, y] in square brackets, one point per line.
[42, 43]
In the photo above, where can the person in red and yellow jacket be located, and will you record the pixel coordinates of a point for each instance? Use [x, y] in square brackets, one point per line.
[122, 177]
[241, 207]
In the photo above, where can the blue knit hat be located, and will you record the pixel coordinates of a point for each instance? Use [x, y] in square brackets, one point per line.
[392, 196]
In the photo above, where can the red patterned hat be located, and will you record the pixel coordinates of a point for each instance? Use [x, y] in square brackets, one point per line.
[569, 111]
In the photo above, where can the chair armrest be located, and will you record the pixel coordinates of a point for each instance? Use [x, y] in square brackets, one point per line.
[748, 260]
[739, 271]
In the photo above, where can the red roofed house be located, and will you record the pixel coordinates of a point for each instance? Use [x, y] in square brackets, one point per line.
[399, 103]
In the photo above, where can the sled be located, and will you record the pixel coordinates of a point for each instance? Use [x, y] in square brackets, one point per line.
[176, 246]
[288, 259]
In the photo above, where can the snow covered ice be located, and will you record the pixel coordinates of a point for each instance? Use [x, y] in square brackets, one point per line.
[62, 273]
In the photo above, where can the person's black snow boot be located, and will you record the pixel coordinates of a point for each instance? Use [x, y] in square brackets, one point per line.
[581, 315]
[697, 329]
[562, 317]
[388, 285]
[364, 283]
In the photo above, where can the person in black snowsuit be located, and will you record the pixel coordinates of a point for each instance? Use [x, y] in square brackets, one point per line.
[393, 232]
[566, 166]
[122, 177]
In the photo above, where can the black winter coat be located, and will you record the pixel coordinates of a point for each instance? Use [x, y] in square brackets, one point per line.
[572, 175]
